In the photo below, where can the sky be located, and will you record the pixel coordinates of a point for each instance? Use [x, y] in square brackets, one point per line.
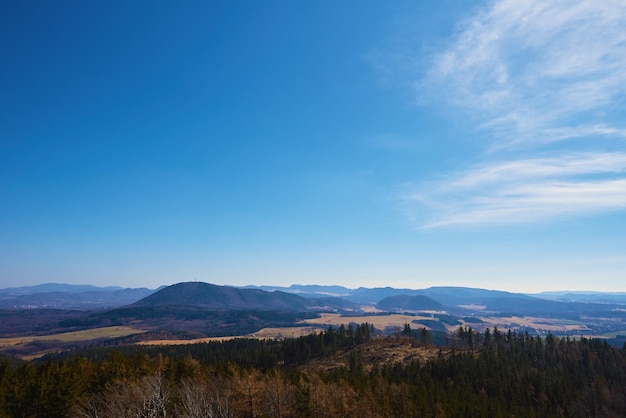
[406, 144]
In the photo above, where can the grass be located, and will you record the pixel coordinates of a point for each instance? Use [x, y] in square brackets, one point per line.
[544, 324]
[68, 337]
[309, 326]
[379, 321]
[384, 321]
[269, 333]
[192, 341]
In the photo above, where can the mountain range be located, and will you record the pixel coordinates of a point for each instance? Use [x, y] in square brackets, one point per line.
[211, 296]
[308, 297]
[196, 309]
[68, 296]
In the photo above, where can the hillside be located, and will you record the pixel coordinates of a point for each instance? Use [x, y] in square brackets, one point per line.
[410, 303]
[210, 296]
[456, 300]
[213, 310]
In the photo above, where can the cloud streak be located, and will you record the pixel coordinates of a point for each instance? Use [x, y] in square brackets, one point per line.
[527, 68]
[535, 77]
[526, 191]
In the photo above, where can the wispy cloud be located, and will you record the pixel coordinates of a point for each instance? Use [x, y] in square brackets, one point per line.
[581, 164]
[525, 191]
[526, 68]
[533, 74]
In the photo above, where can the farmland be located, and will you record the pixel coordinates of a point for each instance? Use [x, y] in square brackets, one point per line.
[49, 343]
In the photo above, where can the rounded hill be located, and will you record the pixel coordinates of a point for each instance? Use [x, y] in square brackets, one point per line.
[216, 297]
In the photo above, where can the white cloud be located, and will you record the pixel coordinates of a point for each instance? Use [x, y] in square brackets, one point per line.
[525, 68]
[533, 74]
[526, 191]
[541, 168]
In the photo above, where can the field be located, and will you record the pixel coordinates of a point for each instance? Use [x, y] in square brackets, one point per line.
[29, 347]
[67, 337]
[46, 342]
[269, 333]
[379, 321]
[386, 321]
[311, 325]
[555, 326]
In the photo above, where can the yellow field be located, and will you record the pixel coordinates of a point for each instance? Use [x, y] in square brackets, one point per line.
[68, 337]
[379, 321]
[184, 342]
[398, 320]
[291, 332]
[269, 333]
[544, 324]
[312, 325]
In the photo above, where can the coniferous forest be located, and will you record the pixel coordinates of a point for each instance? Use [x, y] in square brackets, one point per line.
[470, 374]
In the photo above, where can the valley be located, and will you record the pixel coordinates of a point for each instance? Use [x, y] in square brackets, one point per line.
[377, 352]
[196, 312]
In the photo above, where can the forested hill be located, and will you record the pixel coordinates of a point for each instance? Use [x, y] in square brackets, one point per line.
[489, 374]
[405, 302]
[210, 296]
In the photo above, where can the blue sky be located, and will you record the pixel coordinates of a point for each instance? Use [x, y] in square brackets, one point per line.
[410, 144]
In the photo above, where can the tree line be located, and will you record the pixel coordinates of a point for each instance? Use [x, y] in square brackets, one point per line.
[490, 374]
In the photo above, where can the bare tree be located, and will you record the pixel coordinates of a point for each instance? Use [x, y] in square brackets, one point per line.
[195, 402]
[146, 398]
[153, 397]
[277, 397]
[202, 399]
[115, 401]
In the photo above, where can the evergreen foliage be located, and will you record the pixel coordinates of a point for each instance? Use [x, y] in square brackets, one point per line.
[491, 374]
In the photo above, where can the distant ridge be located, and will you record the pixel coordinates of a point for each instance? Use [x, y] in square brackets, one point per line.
[211, 296]
[459, 300]
[451, 295]
[410, 303]
[376, 294]
[308, 290]
[56, 287]
[584, 296]
[69, 296]
[456, 300]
